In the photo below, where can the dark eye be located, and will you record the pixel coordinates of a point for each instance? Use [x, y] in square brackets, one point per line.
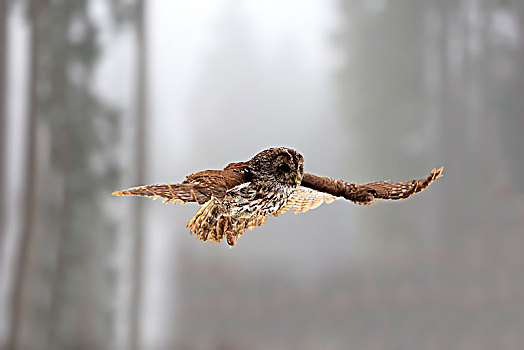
[284, 168]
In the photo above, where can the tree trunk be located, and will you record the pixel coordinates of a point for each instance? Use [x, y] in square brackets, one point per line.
[140, 154]
[28, 217]
[3, 134]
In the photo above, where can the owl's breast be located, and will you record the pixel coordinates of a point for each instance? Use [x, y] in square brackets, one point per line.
[247, 199]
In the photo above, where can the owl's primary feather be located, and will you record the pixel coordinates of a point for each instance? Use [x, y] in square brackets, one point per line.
[242, 195]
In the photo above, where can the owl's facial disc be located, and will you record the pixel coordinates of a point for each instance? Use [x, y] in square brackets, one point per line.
[280, 164]
[288, 170]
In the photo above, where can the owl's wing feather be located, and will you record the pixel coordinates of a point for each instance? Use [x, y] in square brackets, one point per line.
[199, 187]
[304, 199]
[366, 194]
[170, 193]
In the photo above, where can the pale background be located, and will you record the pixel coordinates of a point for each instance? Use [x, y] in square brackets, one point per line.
[366, 90]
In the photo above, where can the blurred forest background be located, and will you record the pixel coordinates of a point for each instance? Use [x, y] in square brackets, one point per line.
[99, 95]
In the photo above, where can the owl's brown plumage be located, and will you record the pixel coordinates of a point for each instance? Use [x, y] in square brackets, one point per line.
[243, 194]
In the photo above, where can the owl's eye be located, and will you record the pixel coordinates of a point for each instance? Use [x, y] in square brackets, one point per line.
[284, 168]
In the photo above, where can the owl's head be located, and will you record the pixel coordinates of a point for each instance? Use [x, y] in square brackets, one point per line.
[282, 165]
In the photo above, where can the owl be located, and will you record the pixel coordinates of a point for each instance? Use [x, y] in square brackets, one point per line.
[241, 196]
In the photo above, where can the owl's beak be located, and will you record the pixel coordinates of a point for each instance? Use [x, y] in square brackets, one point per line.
[294, 177]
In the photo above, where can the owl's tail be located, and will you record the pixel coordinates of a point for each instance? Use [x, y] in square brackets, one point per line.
[171, 193]
[210, 224]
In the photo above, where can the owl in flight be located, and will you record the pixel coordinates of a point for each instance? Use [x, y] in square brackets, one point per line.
[244, 194]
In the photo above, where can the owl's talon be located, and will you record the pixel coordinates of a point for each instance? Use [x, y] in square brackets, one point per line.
[232, 238]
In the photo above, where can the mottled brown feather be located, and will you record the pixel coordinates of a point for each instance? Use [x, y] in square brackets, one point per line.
[366, 194]
[209, 225]
[170, 193]
[198, 187]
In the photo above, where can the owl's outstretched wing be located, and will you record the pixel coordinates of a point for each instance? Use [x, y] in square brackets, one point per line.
[399, 190]
[199, 187]
[170, 193]
[364, 194]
